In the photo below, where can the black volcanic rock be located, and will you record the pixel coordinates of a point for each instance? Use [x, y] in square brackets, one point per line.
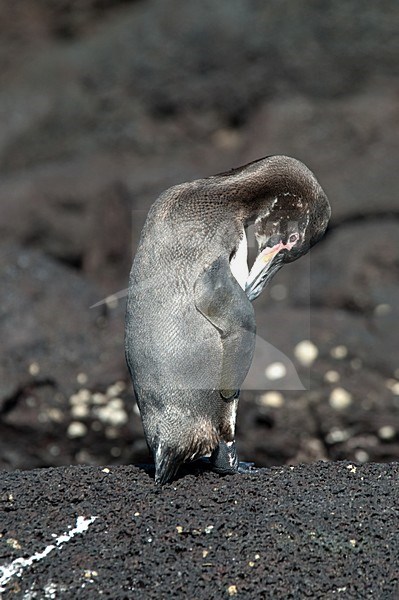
[320, 531]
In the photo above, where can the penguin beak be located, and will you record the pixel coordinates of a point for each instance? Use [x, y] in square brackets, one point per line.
[262, 271]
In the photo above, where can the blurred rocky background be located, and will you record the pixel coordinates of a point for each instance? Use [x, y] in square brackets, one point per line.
[104, 104]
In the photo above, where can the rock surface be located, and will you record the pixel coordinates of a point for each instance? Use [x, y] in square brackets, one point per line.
[105, 104]
[320, 531]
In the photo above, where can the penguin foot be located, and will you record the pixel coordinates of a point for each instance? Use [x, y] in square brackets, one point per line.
[247, 467]
[224, 460]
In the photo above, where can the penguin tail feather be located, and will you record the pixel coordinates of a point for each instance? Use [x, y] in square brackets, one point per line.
[167, 461]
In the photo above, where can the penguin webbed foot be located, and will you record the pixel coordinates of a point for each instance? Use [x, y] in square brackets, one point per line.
[224, 460]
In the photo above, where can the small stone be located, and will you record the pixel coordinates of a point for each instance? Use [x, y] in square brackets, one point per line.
[76, 429]
[112, 390]
[43, 417]
[208, 529]
[337, 435]
[74, 399]
[111, 433]
[387, 432]
[361, 456]
[98, 398]
[352, 468]
[54, 450]
[80, 411]
[116, 404]
[82, 378]
[273, 399]
[278, 292]
[393, 385]
[204, 553]
[34, 368]
[381, 310]
[55, 414]
[105, 470]
[31, 402]
[84, 395]
[90, 574]
[179, 529]
[340, 398]
[356, 364]
[306, 353]
[111, 414]
[353, 542]
[232, 590]
[332, 376]
[339, 352]
[226, 139]
[14, 543]
[275, 371]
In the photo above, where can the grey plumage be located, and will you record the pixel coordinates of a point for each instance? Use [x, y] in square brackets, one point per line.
[190, 327]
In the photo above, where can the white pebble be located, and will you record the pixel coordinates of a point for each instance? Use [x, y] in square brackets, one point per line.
[76, 429]
[340, 398]
[82, 378]
[99, 398]
[74, 399]
[339, 352]
[382, 309]
[273, 399]
[116, 403]
[275, 371]
[113, 390]
[361, 456]
[393, 385]
[111, 415]
[34, 368]
[306, 352]
[55, 414]
[387, 432]
[79, 411]
[84, 395]
[332, 376]
[337, 435]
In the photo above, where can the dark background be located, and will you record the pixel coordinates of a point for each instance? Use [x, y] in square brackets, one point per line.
[104, 104]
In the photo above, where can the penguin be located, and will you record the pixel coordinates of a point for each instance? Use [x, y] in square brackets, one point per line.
[190, 324]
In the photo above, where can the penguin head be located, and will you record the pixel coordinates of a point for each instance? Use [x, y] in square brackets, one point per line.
[285, 229]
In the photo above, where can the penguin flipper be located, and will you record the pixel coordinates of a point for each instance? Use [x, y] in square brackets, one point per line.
[221, 300]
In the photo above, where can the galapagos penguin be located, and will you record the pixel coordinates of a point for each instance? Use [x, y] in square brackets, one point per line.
[190, 325]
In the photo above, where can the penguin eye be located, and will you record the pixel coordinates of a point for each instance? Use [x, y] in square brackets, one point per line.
[293, 238]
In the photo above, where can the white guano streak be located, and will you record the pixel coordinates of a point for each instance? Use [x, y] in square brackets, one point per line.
[17, 566]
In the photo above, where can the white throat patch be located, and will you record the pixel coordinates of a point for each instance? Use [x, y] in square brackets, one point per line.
[239, 262]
